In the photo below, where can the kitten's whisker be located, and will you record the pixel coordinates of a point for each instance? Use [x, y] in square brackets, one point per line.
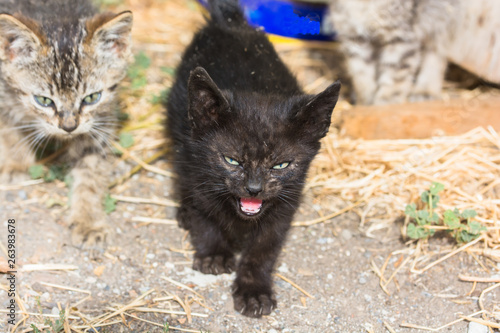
[24, 140]
[95, 138]
[43, 139]
[22, 128]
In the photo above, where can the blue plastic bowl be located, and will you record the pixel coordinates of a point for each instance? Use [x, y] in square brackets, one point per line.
[293, 19]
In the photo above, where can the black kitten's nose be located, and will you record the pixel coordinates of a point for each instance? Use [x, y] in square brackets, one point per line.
[254, 188]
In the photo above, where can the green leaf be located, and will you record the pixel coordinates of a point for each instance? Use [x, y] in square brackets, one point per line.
[465, 237]
[122, 116]
[68, 180]
[56, 172]
[411, 210]
[126, 140]
[116, 151]
[36, 171]
[468, 213]
[109, 204]
[435, 217]
[142, 60]
[423, 217]
[475, 227]
[138, 82]
[450, 219]
[425, 197]
[416, 232]
[169, 70]
[162, 96]
[436, 188]
[435, 200]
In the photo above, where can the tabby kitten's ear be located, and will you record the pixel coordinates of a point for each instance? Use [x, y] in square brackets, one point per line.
[207, 106]
[314, 116]
[20, 39]
[110, 34]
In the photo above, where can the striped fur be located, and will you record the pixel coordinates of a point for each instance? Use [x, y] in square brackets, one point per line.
[397, 50]
[65, 51]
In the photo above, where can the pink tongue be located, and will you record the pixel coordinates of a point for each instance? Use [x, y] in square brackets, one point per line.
[250, 205]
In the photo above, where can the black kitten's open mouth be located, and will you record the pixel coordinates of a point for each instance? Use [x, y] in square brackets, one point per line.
[250, 206]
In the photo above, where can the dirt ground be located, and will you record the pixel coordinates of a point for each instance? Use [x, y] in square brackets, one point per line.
[326, 276]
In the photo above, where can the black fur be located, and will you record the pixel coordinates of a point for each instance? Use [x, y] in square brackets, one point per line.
[233, 97]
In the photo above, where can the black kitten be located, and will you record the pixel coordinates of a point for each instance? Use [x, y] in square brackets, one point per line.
[244, 135]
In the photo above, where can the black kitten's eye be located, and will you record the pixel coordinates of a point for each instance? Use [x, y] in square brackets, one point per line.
[92, 98]
[231, 161]
[44, 101]
[281, 166]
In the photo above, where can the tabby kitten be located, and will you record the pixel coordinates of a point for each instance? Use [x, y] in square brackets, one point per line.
[397, 50]
[60, 64]
[243, 137]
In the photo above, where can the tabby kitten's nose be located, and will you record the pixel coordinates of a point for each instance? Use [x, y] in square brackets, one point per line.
[254, 187]
[68, 122]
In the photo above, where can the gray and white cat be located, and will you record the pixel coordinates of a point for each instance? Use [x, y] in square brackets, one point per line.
[60, 63]
[397, 50]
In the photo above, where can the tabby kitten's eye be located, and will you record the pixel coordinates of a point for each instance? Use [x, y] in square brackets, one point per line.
[281, 166]
[44, 101]
[92, 98]
[231, 161]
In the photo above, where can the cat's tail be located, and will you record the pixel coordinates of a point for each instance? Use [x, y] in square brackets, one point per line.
[226, 13]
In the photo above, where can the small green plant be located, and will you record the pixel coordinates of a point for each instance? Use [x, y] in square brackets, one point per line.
[126, 140]
[55, 327]
[137, 71]
[460, 225]
[49, 174]
[109, 204]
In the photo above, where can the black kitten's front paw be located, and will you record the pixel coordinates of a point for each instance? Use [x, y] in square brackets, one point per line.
[217, 264]
[252, 302]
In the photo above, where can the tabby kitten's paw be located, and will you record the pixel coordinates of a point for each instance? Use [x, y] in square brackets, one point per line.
[252, 302]
[217, 264]
[89, 235]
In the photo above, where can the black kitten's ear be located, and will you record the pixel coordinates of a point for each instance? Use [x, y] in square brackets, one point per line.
[314, 117]
[206, 103]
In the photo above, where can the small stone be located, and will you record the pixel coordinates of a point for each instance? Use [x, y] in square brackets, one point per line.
[55, 311]
[325, 240]
[346, 234]
[22, 195]
[283, 268]
[368, 298]
[150, 255]
[45, 297]
[144, 289]
[362, 280]
[477, 328]
[91, 280]
[122, 257]
[37, 286]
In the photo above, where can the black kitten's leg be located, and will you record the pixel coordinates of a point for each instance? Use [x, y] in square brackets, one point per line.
[252, 290]
[213, 253]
